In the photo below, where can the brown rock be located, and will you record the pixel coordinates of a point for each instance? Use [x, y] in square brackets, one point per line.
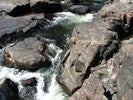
[91, 43]
[124, 78]
[27, 54]
[92, 89]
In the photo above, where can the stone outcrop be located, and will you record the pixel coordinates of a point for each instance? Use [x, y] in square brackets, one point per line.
[98, 66]
[92, 89]
[124, 78]
[27, 54]
[91, 43]
[8, 90]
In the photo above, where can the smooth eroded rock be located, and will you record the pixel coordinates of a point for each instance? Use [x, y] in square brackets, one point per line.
[27, 54]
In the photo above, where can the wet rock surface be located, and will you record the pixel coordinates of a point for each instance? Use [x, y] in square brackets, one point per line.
[99, 59]
[79, 9]
[27, 54]
[29, 82]
[8, 90]
[28, 93]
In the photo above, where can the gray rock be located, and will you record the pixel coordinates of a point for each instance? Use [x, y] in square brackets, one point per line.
[8, 89]
[29, 82]
[9, 5]
[27, 54]
[10, 25]
[79, 9]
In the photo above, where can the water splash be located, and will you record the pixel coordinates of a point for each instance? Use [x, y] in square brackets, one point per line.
[55, 90]
[68, 18]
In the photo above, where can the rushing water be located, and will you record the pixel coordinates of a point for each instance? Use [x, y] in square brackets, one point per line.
[60, 25]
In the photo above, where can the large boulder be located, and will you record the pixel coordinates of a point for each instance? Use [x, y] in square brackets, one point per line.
[79, 9]
[8, 90]
[10, 25]
[90, 44]
[96, 60]
[27, 54]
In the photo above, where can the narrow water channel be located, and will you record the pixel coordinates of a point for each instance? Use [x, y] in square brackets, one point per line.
[47, 87]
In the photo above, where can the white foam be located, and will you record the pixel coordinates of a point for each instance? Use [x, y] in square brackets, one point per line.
[17, 76]
[68, 18]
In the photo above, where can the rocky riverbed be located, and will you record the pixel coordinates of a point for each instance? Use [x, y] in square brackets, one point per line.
[98, 64]
[63, 55]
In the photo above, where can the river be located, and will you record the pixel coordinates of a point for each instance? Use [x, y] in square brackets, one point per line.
[61, 27]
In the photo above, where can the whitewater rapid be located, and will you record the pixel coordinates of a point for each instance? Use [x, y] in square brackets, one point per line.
[55, 92]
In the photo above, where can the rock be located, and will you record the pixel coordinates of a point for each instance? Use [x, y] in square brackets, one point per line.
[96, 60]
[18, 7]
[17, 26]
[79, 9]
[8, 89]
[124, 78]
[47, 83]
[120, 15]
[9, 5]
[27, 54]
[28, 93]
[47, 7]
[126, 1]
[29, 82]
[90, 90]
[91, 43]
